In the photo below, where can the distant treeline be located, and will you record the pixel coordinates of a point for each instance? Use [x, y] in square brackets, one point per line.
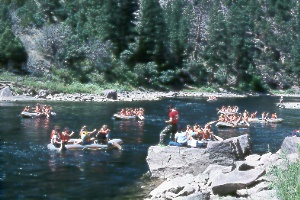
[249, 45]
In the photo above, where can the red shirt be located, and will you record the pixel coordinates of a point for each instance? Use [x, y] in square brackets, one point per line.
[174, 115]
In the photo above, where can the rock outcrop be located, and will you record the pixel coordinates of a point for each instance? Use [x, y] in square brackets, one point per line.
[167, 162]
[206, 174]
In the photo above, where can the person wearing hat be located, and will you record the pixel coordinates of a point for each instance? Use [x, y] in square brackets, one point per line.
[171, 128]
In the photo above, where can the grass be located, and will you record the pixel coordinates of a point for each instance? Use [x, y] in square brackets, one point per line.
[54, 84]
[286, 180]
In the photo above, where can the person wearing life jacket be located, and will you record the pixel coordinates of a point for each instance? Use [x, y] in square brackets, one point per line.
[103, 134]
[65, 135]
[85, 135]
[55, 137]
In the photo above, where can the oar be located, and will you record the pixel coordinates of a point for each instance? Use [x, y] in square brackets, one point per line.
[211, 122]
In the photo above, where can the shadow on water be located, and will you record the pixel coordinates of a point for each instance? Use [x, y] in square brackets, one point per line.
[31, 171]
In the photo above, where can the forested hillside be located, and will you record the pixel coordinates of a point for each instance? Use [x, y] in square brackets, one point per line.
[249, 45]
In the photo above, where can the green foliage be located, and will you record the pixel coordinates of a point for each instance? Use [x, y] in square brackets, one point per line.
[285, 180]
[11, 48]
[152, 34]
[249, 45]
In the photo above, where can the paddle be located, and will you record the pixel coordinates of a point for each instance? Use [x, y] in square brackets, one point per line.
[211, 122]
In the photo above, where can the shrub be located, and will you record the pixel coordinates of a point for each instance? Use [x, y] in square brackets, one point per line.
[286, 181]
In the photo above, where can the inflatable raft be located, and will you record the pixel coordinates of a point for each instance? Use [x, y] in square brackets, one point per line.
[125, 117]
[259, 120]
[111, 144]
[34, 114]
[231, 125]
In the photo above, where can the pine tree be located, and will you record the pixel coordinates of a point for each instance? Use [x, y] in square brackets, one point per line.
[152, 34]
[11, 48]
[240, 28]
[119, 26]
[215, 53]
[178, 32]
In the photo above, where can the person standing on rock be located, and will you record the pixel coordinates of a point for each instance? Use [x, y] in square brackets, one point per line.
[172, 124]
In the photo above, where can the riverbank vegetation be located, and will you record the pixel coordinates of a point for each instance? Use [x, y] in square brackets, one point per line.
[245, 45]
[286, 179]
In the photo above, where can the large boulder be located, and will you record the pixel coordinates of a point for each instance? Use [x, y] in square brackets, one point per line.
[42, 93]
[110, 94]
[229, 183]
[168, 162]
[290, 145]
[6, 92]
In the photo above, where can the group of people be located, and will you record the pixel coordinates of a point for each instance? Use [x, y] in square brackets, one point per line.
[228, 109]
[212, 98]
[132, 112]
[193, 136]
[230, 114]
[264, 115]
[234, 118]
[59, 138]
[39, 109]
[184, 137]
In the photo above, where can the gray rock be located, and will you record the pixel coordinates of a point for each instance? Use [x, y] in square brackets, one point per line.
[110, 94]
[290, 145]
[42, 93]
[180, 186]
[231, 182]
[6, 92]
[196, 196]
[167, 162]
[265, 195]
[252, 191]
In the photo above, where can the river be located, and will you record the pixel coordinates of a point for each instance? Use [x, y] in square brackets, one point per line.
[30, 171]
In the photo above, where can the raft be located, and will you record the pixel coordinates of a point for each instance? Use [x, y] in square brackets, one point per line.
[259, 120]
[230, 125]
[111, 144]
[34, 114]
[125, 117]
[226, 113]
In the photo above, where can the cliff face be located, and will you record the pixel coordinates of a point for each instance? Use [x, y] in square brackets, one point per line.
[31, 38]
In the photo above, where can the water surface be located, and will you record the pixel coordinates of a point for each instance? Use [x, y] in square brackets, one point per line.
[30, 171]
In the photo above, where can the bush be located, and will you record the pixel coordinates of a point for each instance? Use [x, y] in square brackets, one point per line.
[286, 181]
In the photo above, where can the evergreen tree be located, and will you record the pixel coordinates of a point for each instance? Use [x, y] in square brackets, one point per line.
[119, 26]
[178, 32]
[152, 34]
[240, 28]
[12, 49]
[216, 54]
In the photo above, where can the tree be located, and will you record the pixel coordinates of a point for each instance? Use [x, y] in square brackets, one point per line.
[178, 32]
[119, 26]
[241, 45]
[216, 51]
[152, 34]
[12, 49]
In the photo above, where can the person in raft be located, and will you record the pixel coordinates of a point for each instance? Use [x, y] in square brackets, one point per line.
[172, 124]
[103, 135]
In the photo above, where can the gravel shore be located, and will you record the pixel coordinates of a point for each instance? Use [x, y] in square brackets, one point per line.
[123, 96]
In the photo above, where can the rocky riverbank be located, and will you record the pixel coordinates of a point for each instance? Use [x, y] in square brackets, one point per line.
[8, 93]
[224, 170]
